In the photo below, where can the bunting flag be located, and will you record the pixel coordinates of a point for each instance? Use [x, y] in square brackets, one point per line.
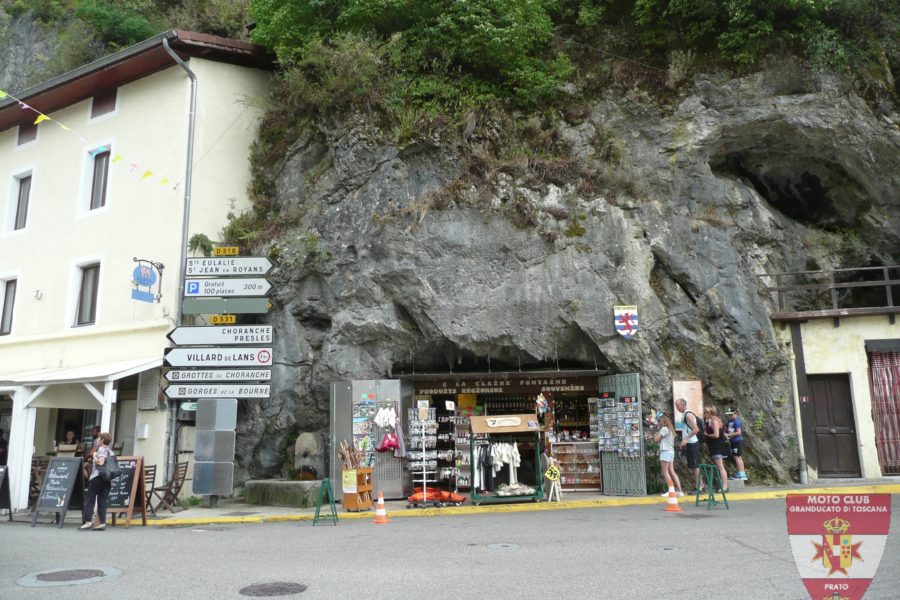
[41, 117]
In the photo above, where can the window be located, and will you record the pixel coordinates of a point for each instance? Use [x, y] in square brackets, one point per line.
[22, 204]
[104, 103]
[86, 313]
[27, 133]
[9, 300]
[98, 182]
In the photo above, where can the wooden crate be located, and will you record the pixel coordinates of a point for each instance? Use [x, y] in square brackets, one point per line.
[362, 499]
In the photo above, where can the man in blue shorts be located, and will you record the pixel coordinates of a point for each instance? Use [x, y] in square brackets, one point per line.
[735, 435]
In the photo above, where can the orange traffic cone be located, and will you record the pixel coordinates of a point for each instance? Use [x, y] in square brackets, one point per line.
[672, 502]
[380, 513]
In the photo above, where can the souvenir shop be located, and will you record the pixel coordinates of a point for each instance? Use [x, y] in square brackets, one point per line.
[489, 437]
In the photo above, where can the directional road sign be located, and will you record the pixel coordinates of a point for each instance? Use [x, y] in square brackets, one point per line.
[218, 306]
[218, 357]
[227, 375]
[228, 265]
[231, 334]
[226, 286]
[218, 390]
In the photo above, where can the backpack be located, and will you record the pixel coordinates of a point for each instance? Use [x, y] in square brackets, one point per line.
[701, 431]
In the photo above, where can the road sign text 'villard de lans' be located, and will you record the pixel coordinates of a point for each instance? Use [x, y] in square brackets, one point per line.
[218, 357]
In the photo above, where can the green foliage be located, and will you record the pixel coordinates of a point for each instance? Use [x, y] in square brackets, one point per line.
[199, 242]
[117, 26]
[226, 18]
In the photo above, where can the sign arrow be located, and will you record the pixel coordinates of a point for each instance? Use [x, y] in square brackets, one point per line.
[233, 334]
[209, 375]
[218, 357]
[227, 265]
[218, 306]
[218, 390]
[225, 287]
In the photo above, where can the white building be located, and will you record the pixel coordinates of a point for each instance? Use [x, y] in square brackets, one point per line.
[100, 181]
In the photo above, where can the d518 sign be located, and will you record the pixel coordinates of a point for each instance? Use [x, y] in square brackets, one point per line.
[199, 390]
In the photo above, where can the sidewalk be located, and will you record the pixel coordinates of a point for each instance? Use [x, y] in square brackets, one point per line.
[231, 511]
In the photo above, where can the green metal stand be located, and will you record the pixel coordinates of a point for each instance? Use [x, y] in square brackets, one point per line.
[333, 517]
[710, 474]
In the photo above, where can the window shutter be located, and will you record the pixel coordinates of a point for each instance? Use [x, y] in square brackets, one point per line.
[104, 102]
[148, 390]
[27, 133]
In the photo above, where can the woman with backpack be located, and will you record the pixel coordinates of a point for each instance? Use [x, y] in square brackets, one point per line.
[716, 442]
[665, 437]
[98, 487]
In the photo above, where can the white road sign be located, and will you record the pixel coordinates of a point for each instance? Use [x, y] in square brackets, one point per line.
[220, 390]
[218, 357]
[219, 334]
[202, 375]
[234, 286]
[228, 265]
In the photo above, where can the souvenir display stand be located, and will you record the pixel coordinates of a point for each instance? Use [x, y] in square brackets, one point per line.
[579, 465]
[422, 457]
[509, 429]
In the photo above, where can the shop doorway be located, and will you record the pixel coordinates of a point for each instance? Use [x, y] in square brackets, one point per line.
[833, 427]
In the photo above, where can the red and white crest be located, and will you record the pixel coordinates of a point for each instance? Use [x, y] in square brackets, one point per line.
[837, 541]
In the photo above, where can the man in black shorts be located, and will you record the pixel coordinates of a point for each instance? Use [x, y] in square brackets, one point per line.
[690, 444]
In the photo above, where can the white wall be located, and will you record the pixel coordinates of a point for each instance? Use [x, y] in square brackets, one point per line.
[829, 349]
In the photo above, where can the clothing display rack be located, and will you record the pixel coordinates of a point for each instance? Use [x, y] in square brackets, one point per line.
[422, 463]
[510, 429]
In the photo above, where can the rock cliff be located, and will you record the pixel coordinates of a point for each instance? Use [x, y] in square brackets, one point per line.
[431, 255]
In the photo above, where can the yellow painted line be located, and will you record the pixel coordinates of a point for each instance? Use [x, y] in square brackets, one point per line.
[530, 506]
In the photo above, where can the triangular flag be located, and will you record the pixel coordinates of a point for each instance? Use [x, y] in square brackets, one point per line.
[146, 175]
[23, 105]
[41, 118]
[164, 181]
[117, 158]
[133, 167]
[3, 94]
[64, 127]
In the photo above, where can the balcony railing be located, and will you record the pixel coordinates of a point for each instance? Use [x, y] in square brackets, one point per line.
[804, 295]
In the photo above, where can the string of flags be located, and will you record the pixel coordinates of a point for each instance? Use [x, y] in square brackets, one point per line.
[133, 167]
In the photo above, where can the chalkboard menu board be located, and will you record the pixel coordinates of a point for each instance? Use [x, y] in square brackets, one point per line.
[4, 491]
[62, 489]
[127, 490]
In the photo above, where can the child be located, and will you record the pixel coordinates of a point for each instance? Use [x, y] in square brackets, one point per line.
[665, 436]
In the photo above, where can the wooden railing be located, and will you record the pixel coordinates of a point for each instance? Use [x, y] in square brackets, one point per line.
[804, 295]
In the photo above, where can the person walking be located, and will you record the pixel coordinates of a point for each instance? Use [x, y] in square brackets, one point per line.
[690, 444]
[735, 434]
[665, 437]
[715, 441]
[98, 487]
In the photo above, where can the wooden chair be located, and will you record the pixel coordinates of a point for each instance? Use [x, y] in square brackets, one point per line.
[149, 482]
[168, 492]
[118, 447]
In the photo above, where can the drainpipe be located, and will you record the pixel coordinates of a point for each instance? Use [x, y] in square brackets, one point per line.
[185, 224]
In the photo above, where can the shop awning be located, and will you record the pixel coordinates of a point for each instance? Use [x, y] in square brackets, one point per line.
[101, 372]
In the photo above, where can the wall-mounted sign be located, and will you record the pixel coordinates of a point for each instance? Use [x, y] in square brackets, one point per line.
[495, 385]
[218, 357]
[238, 265]
[503, 421]
[626, 320]
[146, 274]
[226, 251]
[238, 334]
[226, 287]
[218, 390]
[198, 375]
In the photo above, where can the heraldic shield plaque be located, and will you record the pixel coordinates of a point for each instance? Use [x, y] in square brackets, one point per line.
[837, 541]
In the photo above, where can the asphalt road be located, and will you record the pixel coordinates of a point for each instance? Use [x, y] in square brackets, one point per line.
[630, 552]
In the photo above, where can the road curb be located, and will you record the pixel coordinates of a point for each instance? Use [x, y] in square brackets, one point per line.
[526, 506]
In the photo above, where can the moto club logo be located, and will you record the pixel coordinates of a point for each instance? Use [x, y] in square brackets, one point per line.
[838, 541]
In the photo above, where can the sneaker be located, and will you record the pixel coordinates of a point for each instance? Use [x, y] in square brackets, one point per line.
[680, 494]
[664, 495]
[85, 526]
[735, 477]
[100, 527]
[742, 476]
